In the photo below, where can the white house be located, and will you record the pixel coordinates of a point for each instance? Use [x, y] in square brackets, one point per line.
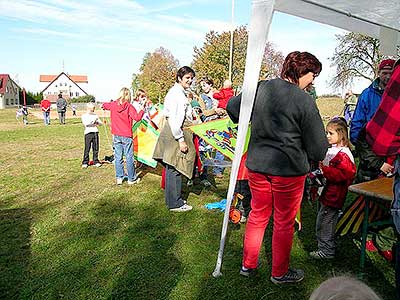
[9, 92]
[70, 86]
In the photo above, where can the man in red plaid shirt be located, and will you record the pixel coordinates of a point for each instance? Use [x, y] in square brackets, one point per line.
[383, 130]
[383, 134]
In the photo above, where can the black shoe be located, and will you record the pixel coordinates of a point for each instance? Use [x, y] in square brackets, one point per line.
[292, 275]
[247, 272]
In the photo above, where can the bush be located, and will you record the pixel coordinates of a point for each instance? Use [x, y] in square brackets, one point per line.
[84, 99]
[329, 96]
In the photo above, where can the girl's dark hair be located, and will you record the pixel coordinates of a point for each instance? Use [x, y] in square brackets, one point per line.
[183, 71]
[297, 64]
[339, 124]
[208, 80]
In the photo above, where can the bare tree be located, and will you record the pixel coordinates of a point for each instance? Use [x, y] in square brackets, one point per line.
[356, 56]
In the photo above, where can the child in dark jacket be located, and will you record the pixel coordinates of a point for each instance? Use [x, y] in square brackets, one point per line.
[339, 169]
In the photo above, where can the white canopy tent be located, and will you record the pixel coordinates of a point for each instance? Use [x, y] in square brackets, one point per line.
[376, 18]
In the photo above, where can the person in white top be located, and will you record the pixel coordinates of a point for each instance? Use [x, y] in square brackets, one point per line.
[90, 120]
[175, 148]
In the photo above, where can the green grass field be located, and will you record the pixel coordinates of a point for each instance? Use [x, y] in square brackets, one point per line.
[68, 233]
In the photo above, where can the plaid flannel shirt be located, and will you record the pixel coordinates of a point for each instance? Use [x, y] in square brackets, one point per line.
[383, 130]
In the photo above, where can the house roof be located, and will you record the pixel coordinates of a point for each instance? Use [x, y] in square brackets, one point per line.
[3, 82]
[76, 78]
[57, 76]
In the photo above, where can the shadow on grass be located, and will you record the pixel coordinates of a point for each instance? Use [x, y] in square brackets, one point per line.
[116, 250]
[15, 251]
[347, 258]
[150, 274]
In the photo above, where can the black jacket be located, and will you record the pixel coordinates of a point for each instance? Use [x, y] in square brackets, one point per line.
[369, 163]
[286, 129]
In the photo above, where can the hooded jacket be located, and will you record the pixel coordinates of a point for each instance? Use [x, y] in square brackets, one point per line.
[367, 105]
[122, 117]
[223, 97]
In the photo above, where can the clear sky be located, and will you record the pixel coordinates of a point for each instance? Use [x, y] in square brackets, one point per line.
[107, 40]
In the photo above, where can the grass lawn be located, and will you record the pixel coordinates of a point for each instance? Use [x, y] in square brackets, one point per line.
[68, 233]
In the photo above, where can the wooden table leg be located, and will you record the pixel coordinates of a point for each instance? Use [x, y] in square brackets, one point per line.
[364, 236]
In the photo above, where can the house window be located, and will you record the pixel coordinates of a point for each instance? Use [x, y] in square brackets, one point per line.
[71, 94]
[7, 102]
[77, 94]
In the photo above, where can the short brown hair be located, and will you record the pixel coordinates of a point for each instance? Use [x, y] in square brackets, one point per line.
[139, 93]
[298, 64]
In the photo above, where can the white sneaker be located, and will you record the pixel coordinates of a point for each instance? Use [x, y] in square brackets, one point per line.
[84, 166]
[135, 181]
[98, 165]
[119, 181]
[183, 208]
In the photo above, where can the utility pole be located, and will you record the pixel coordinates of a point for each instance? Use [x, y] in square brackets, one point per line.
[231, 44]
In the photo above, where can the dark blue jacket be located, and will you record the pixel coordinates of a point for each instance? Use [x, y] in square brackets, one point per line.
[367, 105]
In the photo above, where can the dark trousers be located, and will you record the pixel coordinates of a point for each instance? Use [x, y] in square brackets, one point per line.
[242, 187]
[91, 141]
[173, 187]
[325, 229]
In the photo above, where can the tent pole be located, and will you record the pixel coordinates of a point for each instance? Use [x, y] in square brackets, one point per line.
[258, 32]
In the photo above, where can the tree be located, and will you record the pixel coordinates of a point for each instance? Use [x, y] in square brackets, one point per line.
[31, 97]
[212, 59]
[157, 74]
[356, 56]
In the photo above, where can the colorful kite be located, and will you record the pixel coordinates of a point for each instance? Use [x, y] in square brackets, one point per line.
[221, 135]
[145, 137]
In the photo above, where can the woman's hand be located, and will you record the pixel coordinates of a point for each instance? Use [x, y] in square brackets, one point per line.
[386, 168]
[183, 147]
[220, 111]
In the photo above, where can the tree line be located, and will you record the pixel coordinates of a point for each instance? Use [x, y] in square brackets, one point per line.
[355, 56]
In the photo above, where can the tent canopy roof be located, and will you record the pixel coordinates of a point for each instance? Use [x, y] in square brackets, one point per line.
[376, 18]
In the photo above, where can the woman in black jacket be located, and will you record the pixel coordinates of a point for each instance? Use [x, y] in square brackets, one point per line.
[286, 133]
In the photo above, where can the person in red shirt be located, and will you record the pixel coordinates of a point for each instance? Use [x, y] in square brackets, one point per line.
[122, 116]
[224, 94]
[383, 134]
[45, 106]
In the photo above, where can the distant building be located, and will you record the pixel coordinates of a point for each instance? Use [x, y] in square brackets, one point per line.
[9, 92]
[70, 86]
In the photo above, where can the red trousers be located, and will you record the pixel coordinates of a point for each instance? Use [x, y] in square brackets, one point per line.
[282, 195]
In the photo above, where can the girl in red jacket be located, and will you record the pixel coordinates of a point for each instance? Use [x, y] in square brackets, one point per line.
[339, 170]
[122, 115]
